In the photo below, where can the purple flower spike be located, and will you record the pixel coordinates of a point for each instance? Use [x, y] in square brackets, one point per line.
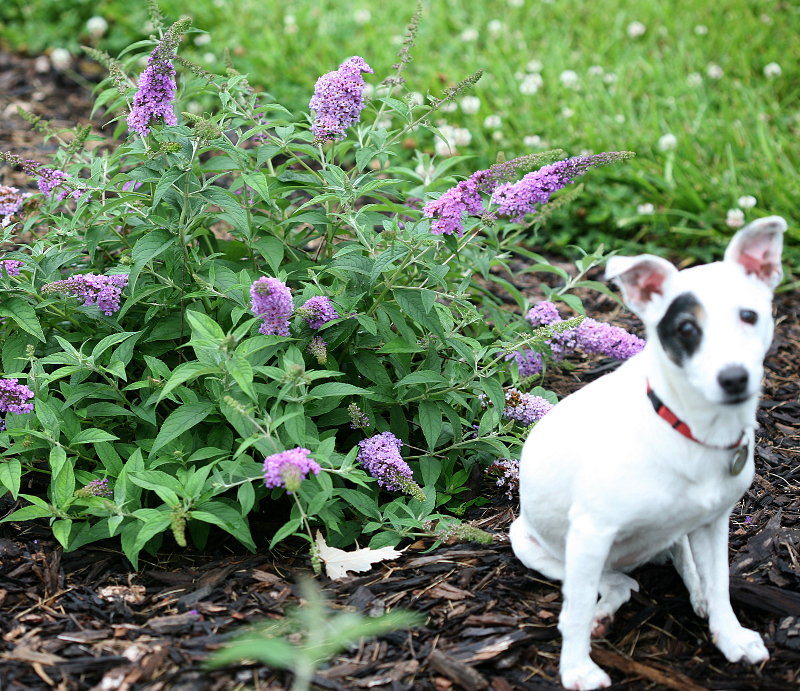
[525, 408]
[96, 488]
[319, 349]
[338, 99]
[612, 341]
[11, 201]
[103, 291]
[448, 210]
[543, 313]
[272, 302]
[529, 362]
[288, 469]
[380, 457]
[14, 397]
[318, 311]
[49, 179]
[157, 86]
[11, 266]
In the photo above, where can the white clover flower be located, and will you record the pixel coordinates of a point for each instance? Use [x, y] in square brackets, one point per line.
[497, 135]
[532, 141]
[531, 84]
[495, 26]
[369, 90]
[519, 75]
[636, 29]
[714, 71]
[209, 58]
[416, 98]
[772, 69]
[734, 218]
[667, 142]
[425, 173]
[449, 107]
[290, 27]
[202, 39]
[747, 202]
[194, 108]
[534, 65]
[493, 122]
[516, 3]
[41, 65]
[585, 152]
[620, 118]
[362, 16]
[444, 147]
[61, 58]
[569, 78]
[701, 29]
[470, 104]
[766, 18]
[596, 71]
[96, 26]
[567, 112]
[469, 35]
[385, 123]
[289, 19]
[396, 40]
[645, 209]
[462, 136]
[694, 79]
[609, 77]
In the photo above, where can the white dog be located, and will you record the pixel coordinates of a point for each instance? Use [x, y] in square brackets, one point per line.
[647, 462]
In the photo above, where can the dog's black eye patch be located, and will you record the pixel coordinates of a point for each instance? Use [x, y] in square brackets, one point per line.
[680, 329]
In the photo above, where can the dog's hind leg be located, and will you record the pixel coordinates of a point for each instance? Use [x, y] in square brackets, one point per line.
[615, 591]
[684, 563]
[531, 553]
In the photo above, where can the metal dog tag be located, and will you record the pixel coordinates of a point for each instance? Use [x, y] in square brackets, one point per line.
[739, 459]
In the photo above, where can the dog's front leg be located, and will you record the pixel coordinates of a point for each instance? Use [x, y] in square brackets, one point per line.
[710, 551]
[587, 549]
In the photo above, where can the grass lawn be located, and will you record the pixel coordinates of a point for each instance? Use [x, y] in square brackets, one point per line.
[705, 93]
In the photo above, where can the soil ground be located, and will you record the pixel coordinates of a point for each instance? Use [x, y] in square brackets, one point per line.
[85, 620]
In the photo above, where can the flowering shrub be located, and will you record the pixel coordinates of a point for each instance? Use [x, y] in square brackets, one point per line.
[259, 312]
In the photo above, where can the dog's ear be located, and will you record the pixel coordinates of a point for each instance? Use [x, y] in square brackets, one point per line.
[641, 278]
[757, 247]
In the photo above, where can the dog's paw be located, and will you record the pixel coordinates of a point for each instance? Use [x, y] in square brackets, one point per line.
[603, 619]
[699, 604]
[584, 676]
[742, 645]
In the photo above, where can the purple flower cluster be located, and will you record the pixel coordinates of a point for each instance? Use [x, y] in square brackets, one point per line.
[272, 302]
[319, 349]
[317, 311]
[49, 179]
[591, 336]
[338, 99]
[518, 198]
[11, 266]
[507, 470]
[358, 418]
[513, 199]
[288, 469]
[76, 195]
[529, 362]
[103, 291]
[14, 397]
[157, 86]
[96, 488]
[525, 408]
[380, 457]
[11, 201]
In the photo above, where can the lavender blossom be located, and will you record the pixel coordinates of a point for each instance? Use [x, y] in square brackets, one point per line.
[288, 469]
[604, 339]
[317, 311]
[319, 349]
[11, 201]
[529, 362]
[518, 198]
[11, 266]
[272, 302]
[96, 488]
[525, 408]
[103, 291]
[507, 470]
[157, 86]
[358, 418]
[14, 397]
[338, 99]
[380, 457]
[543, 313]
[449, 209]
[49, 179]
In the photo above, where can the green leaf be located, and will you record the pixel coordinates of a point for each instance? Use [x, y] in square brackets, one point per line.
[227, 518]
[270, 249]
[242, 371]
[28, 513]
[287, 529]
[421, 377]
[63, 486]
[23, 315]
[148, 247]
[185, 372]
[400, 345]
[338, 389]
[92, 435]
[204, 327]
[166, 181]
[61, 530]
[246, 496]
[361, 502]
[416, 303]
[180, 421]
[109, 341]
[430, 419]
[11, 476]
[258, 181]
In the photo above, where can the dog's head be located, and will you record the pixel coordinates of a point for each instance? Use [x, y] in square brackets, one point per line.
[711, 322]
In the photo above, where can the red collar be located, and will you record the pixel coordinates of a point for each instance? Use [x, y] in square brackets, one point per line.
[663, 412]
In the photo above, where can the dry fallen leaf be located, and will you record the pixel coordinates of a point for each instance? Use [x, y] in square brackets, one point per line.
[338, 562]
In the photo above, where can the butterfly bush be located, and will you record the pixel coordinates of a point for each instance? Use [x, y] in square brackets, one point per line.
[14, 397]
[11, 202]
[288, 469]
[11, 266]
[96, 488]
[339, 99]
[380, 457]
[272, 303]
[103, 291]
[317, 311]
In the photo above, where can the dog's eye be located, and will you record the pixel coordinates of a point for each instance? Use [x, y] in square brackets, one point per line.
[688, 329]
[748, 316]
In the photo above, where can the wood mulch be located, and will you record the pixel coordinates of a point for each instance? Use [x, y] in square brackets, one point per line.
[85, 620]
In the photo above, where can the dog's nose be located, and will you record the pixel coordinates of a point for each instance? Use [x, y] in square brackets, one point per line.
[733, 380]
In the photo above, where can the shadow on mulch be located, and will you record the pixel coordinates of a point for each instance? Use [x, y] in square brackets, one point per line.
[84, 620]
